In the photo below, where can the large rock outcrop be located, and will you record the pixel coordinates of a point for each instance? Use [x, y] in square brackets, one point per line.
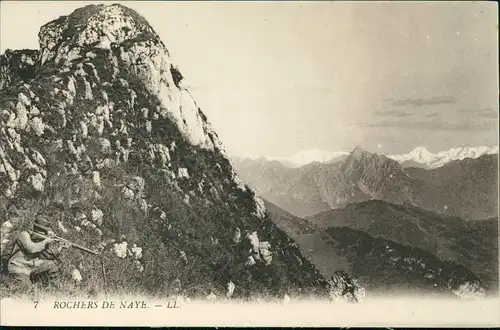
[17, 65]
[343, 287]
[108, 141]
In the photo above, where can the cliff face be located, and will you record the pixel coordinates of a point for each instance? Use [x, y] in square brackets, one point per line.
[17, 65]
[108, 142]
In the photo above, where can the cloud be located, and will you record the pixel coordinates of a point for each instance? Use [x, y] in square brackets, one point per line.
[434, 125]
[432, 115]
[392, 113]
[488, 113]
[434, 100]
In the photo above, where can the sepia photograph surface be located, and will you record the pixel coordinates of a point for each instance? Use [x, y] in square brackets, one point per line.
[237, 163]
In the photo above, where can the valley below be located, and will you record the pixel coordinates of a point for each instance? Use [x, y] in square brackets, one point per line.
[398, 230]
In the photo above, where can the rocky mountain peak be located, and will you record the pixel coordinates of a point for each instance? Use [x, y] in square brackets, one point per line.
[97, 26]
[358, 153]
[121, 37]
[362, 160]
[104, 56]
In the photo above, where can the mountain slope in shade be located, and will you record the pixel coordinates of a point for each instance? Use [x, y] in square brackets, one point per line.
[473, 244]
[383, 266]
[317, 250]
[465, 188]
[264, 175]
[273, 181]
[106, 139]
[289, 223]
[309, 238]
[421, 157]
[360, 176]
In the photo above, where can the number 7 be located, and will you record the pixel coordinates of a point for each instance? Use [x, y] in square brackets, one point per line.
[36, 304]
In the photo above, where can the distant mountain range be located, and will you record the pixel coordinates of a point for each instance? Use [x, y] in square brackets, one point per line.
[466, 188]
[308, 156]
[418, 157]
[421, 157]
[399, 229]
[394, 249]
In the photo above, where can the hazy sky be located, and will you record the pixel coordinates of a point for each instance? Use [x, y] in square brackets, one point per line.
[278, 78]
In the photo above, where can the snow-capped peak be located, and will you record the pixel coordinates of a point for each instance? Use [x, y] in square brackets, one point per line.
[419, 154]
[423, 156]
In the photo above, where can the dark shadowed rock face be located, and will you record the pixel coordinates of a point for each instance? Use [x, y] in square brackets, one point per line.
[17, 65]
[108, 141]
